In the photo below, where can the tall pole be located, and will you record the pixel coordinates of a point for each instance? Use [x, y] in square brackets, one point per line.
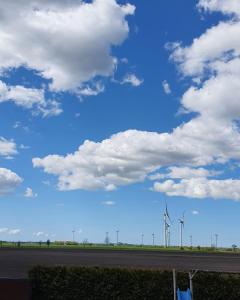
[153, 237]
[107, 238]
[181, 233]
[165, 229]
[142, 238]
[73, 232]
[169, 235]
[191, 241]
[216, 236]
[117, 236]
[211, 241]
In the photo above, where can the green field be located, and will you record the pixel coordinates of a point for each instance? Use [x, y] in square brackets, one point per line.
[72, 245]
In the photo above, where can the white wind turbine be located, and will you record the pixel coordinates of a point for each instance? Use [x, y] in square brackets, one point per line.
[181, 222]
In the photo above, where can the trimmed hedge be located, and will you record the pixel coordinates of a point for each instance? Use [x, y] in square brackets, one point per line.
[85, 283]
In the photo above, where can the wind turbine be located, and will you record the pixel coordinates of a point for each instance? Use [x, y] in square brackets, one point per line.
[181, 222]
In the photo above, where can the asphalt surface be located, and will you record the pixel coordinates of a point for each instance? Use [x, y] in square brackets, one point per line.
[15, 263]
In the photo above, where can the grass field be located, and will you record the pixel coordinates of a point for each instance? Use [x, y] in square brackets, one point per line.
[72, 245]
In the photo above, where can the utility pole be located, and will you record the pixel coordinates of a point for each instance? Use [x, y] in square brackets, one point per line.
[153, 239]
[191, 241]
[117, 236]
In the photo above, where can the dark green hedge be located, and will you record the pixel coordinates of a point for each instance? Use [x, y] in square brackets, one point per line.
[83, 283]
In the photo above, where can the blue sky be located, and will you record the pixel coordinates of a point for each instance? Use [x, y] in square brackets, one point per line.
[109, 109]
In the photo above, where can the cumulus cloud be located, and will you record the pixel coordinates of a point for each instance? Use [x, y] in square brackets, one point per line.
[29, 98]
[201, 188]
[210, 137]
[195, 212]
[218, 43]
[29, 193]
[7, 147]
[188, 173]
[8, 181]
[225, 6]
[132, 79]
[78, 35]
[166, 87]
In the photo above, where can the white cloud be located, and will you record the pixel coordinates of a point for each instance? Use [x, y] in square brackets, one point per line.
[8, 181]
[91, 91]
[188, 173]
[218, 43]
[29, 193]
[130, 156]
[125, 158]
[14, 231]
[23, 147]
[78, 35]
[132, 79]
[7, 147]
[10, 231]
[225, 6]
[3, 230]
[108, 203]
[195, 212]
[29, 98]
[39, 233]
[166, 87]
[18, 124]
[201, 188]
[156, 176]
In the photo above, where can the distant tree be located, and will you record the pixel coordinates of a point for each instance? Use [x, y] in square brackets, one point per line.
[19, 244]
[48, 243]
[1, 244]
[234, 247]
[40, 243]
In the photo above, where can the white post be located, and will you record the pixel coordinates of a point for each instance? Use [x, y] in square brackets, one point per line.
[191, 275]
[174, 285]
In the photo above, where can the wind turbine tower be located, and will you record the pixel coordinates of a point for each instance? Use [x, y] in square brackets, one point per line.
[153, 239]
[117, 232]
[216, 237]
[181, 222]
[166, 224]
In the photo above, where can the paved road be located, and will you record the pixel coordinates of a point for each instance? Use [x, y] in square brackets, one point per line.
[15, 263]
